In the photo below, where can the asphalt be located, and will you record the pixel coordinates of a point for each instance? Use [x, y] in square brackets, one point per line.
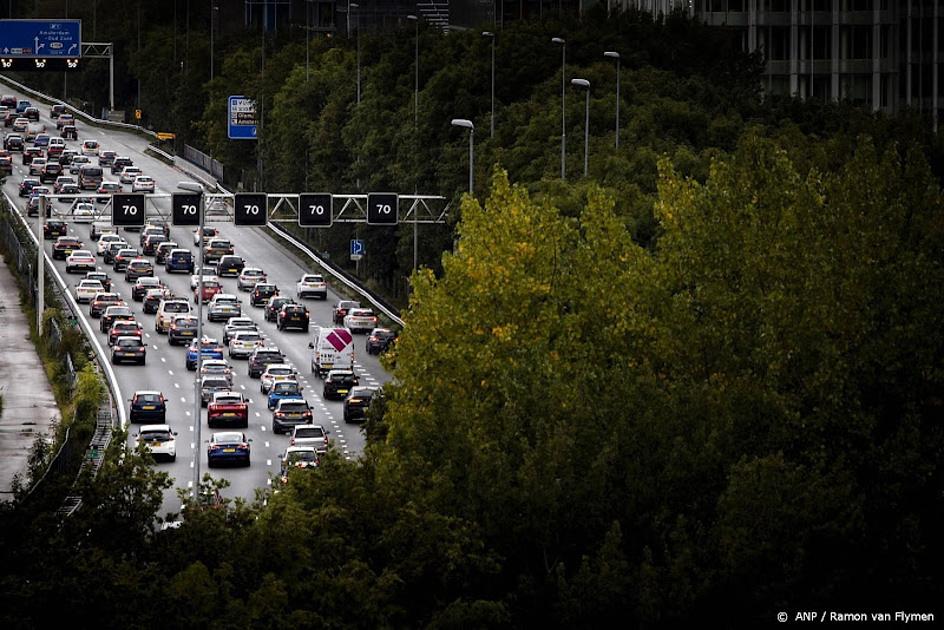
[29, 407]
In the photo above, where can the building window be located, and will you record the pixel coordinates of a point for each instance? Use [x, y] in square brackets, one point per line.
[859, 42]
[778, 47]
[823, 5]
[860, 5]
[822, 42]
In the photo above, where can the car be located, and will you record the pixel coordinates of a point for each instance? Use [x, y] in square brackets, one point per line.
[124, 328]
[85, 290]
[243, 343]
[228, 409]
[114, 248]
[56, 109]
[101, 276]
[167, 311]
[158, 440]
[150, 230]
[66, 155]
[153, 298]
[210, 385]
[123, 258]
[102, 227]
[313, 435]
[64, 246]
[338, 384]
[106, 158]
[297, 457]
[380, 340]
[68, 189]
[209, 349]
[151, 241]
[21, 106]
[31, 113]
[105, 240]
[357, 404]
[90, 147]
[63, 179]
[13, 142]
[69, 132]
[129, 349]
[64, 119]
[102, 301]
[341, 308]
[230, 266]
[32, 205]
[149, 405]
[249, 277]
[80, 260]
[141, 183]
[27, 185]
[6, 164]
[261, 358]
[142, 285]
[83, 213]
[162, 251]
[237, 324]
[113, 313]
[197, 274]
[217, 367]
[106, 189]
[138, 268]
[228, 447]
[128, 174]
[41, 141]
[293, 316]
[274, 373]
[208, 233]
[331, 349]
[8, 101]
[311, 285]
[289, 413]
[20, 124]
[274, 305]
[262, 292]
[282, 390]
[8, 118]
[182, 329]
[179, 260]
[56, 147]
[210, 288]
[223, 306]
[216, 248]
[77, 163]
[31, 153]
[360, 320]
[50, 171]
[36, 164]
[54, 228]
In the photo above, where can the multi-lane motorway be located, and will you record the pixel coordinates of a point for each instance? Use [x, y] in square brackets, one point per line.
[165, 369]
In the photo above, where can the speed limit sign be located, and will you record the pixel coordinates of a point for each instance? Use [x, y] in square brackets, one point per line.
[251, 209]
[382, 208]
[314, 210]
[127, 210]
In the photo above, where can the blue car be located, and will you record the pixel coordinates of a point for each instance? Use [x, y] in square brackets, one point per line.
[179, 260]
[230, 447]
[282, 390]
[211, 349]
[42, 140]
[148, 405]
[22, 106]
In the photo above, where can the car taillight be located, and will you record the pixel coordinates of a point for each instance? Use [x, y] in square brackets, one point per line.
[291, 442]
[243, 447]
[214, 447]
[279, 414]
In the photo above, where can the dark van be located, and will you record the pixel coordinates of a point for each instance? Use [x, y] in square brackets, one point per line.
[90, 177]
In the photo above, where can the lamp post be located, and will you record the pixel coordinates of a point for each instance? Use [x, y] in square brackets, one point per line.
[615, 55]
[416, 124]
[467, 124]
[583, 83]
[492, 125]
[563, 45]
[213, 10]
[357, 40]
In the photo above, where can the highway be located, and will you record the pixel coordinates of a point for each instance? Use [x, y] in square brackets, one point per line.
[165, 369]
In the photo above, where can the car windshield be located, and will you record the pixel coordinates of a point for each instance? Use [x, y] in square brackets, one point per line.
[228, 400]
[248, 337]
[309, 432]
[294, 407]
[280, 371]
[129, 343]
[215, 382]
[286, 388]
[302, 456]
[185, 321]
[344, 379]
[176, 307]
[156, 436]
[269, 355]
[227, 438]
[149, 398]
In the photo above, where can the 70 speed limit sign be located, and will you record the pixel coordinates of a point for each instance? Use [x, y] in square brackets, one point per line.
[314, 210]
[251, 209]
[186, 208]
[127, 210]
[382, 208]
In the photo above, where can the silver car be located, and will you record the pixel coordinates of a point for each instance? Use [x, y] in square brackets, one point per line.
[212, 384]
[244, 343]
[223, 307]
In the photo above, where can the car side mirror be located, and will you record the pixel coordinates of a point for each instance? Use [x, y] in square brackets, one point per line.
[134, 435]
[249, 440]
[175, 433]
[311, 344]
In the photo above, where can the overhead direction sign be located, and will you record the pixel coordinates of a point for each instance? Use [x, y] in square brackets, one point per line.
[40, 38]
[127, 210]
[251, 209]
[241, 114]
[382, 208]
[314, 210]
[186, 208]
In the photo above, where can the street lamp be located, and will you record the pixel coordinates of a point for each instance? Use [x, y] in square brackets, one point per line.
[357, 39]
[416, 124]
[615, 55]
[583, 83]
[492, 128]
[563, 45]
[467, 124]
[213, 10]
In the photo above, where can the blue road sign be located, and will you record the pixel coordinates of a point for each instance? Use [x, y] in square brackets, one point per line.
[357, 248]
[241, 118]
[40, 38]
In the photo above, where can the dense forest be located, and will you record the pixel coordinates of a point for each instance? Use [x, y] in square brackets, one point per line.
[704, 383]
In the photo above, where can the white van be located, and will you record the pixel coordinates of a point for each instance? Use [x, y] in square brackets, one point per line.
[331, 349]
[167, 311]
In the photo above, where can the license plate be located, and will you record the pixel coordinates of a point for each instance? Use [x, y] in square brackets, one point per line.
[232, 270]
[343, 391]
[229, 450]
[230, 414]
[149, 407]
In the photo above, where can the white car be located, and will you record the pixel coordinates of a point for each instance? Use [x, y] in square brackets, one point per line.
[216, 367]
[142, 183]
[310, 285]
[274, 373]
[237, 324]
[129, 174]
[298, 457]
[83, 213]
[360, 320]
[80, 260]
[90, 147]
[159, 440]
[85, 290]
[313, 435]
[244, 342]
[195, 280]
[106, 240]
[249, 277]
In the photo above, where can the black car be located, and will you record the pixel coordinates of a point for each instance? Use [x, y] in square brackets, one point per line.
[292, 316]
[230, 266]
[142, 285]
[274, 305]
[152, 300]
[357, 403]
[182, 330]
[129, 349]
[261, 293]
[31, 152]
[27, 185]
[339, 383]
[6, 164]
[148, 405]
[261, 358]
[31, 113]
[56, 109]
[101, 276]
[13, 143]
[151, 242]
[112, 250]
[123, 257]
[120, 163]
[120, 312]
[54, 227]
[380, 340]
[51, 171]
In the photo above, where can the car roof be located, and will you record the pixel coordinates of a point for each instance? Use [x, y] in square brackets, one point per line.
[147, 391]
[287, 401]
[154, 427]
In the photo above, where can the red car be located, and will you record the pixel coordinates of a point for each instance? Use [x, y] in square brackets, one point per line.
[210, 288]
[341, 309]
[124, 328]
[228, 409]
